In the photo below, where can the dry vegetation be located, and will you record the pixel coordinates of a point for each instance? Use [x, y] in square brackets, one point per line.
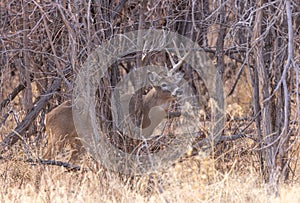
[192, 180]
[255, 47]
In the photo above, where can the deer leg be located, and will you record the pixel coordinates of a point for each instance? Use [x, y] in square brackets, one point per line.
[54, 146]
[77, 149]
[50, 145]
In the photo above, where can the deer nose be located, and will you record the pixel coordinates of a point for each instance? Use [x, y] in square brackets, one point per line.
[177, 92]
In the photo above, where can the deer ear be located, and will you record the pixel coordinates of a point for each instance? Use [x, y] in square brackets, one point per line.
[178, 76]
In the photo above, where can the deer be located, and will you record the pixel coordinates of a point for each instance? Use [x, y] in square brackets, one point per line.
[60, 126]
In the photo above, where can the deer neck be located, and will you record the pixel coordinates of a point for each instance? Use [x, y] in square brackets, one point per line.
[153, 99]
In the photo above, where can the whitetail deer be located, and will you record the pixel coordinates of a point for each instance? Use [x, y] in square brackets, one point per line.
[60, 125]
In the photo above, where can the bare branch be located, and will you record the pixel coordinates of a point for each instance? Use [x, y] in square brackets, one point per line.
[13, 137]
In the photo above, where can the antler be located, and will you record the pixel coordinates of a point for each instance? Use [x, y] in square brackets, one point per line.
[175, 66]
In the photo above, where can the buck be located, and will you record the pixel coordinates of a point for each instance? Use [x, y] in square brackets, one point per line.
[155, 104]
[60, 126]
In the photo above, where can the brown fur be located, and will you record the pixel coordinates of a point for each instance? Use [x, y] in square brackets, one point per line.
[61, 131]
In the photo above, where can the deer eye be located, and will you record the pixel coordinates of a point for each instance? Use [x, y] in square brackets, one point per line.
[163, 85]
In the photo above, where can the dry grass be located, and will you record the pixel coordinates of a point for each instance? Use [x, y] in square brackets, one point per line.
[231, 177]
[192, 180]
